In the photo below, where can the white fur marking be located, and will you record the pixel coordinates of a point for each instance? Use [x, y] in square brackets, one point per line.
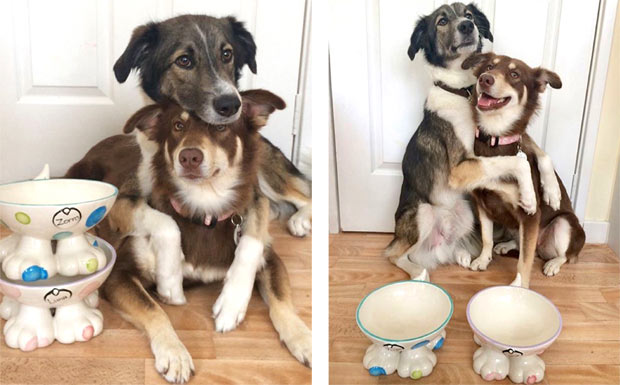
[230, 307]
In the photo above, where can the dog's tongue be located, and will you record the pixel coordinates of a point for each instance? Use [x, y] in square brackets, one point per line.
[487, 101]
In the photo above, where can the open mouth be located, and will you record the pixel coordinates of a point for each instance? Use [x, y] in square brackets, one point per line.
[487, 102]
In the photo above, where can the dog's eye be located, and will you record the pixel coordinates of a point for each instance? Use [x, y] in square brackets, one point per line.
[184, 61]
[227, 55]
[220, 128]
[442, 21]
[489, 67]
[469, 16]
[514, 75]
[178, 126]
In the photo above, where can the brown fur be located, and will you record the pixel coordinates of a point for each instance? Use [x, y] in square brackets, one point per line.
[203, 247]
[497, 208]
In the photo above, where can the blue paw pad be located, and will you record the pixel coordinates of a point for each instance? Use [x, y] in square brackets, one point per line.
[439, 344]
[96, 244]
[34, 273]
[376, 371]
[420, 344]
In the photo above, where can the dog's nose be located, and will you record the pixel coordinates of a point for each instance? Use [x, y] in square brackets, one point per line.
[227, 105]
[486, 80]
[466, 27]
[190, 158]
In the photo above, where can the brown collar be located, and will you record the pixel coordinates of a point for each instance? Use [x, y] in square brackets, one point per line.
[464, 92]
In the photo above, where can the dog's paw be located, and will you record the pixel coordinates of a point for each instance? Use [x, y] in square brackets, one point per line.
[463, 258]
[527, 201]
[172, 295]
[552, 266]
[481, 263]
[526, 369]
[300, 346]
[502, 248]
[552, 195]
[491, 364]
[423, 276]
[172, 360]
[300, 223]
[229, 309]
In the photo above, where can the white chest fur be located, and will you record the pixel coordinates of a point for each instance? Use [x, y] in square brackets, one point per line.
[457, 111]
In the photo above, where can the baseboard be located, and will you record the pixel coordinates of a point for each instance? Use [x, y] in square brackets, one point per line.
[596, 231]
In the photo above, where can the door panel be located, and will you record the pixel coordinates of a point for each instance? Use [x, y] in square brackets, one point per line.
[379, 94]
[59, 95]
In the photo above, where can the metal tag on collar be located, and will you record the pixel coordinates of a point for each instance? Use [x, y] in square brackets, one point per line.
[237, 221]
[520, 153]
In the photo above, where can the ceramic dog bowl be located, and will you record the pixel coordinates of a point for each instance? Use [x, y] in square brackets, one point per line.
[405, 321]
[39, 211]
[512, 325]
[26, 305]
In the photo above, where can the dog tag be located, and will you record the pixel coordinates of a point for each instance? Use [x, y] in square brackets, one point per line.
[236, 220]
[521, 154]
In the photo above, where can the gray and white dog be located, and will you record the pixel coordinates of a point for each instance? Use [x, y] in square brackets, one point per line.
[434, 222]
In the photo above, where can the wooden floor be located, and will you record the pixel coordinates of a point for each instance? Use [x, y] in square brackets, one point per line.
[587, 294]
[121, 354]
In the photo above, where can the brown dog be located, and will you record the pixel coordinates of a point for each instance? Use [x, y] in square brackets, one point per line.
[205, 179]
[503, 102]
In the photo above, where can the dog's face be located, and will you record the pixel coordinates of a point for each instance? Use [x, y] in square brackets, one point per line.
[507, 88]
[451, 31]
[193, 60]
[201, 157]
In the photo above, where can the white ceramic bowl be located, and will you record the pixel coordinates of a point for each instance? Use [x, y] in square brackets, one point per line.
[514, 319]
[55, 208]
[405, 313]
[60, 290]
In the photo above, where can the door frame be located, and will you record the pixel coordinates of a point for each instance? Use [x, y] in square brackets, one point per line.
[592, 114]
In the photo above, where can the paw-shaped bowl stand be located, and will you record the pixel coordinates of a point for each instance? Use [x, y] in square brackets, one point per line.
[513, 326]
[41, 210]
[405, 321]
[27, 305]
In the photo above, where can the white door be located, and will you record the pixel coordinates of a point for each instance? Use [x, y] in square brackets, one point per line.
[58, 94]
[378, 93]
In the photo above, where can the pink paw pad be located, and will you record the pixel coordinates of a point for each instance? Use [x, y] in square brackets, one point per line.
[43, 342]
[531, 379]
[88, 332]
[31, 345]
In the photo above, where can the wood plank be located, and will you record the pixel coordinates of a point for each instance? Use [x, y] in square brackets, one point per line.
[586, 293]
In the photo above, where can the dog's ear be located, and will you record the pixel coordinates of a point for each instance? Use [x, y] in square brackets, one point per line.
[143, 40]
[145, 119]
[476, 59]
[544, 76]
[419, 38]
[481, 21]
[259, 104]
[243, 46]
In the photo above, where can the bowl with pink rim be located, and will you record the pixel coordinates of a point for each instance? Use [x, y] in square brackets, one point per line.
[59, 290]
[513, 326]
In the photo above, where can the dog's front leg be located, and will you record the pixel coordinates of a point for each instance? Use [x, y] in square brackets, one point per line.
[551, 193]
[230, 307]
[480, 172]
[486, 230]
[528, 238]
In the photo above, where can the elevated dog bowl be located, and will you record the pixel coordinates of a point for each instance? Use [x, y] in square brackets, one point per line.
[39, 211]
[513, 325]
[405, 321]
[26, 306]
